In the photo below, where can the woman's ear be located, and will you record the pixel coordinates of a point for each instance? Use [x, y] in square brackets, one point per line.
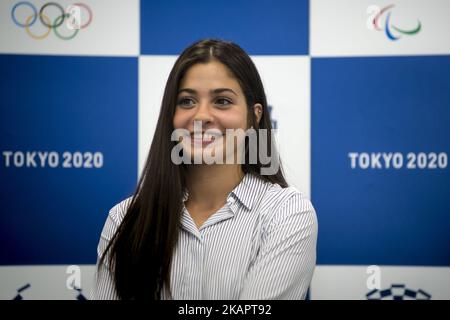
[258, 110]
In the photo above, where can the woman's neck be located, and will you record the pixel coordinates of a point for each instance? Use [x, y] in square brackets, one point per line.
[209, 185]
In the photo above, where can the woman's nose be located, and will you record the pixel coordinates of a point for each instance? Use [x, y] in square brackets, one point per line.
[203, 113]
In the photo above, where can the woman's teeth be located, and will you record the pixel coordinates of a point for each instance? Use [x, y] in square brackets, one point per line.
[208, 137]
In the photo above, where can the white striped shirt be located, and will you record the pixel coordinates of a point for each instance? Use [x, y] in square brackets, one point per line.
[260, 245]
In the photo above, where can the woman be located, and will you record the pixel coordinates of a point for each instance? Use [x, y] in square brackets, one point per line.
[202, 230]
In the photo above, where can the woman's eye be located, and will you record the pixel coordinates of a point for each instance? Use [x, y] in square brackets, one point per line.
[186, 102]
[223, 102]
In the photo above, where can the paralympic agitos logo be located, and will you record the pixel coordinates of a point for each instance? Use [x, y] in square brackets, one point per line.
[392, 31]
[73, 18]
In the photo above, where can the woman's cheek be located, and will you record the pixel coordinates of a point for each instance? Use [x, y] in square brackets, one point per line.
[181, 120]
[233, 120]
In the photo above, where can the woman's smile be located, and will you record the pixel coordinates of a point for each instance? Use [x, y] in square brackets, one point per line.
[202, 139]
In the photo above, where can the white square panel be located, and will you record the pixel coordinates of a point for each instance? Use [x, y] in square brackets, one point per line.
[346, 28]
[113, 29]
[286, 80]
[350, 282]
[153, 74]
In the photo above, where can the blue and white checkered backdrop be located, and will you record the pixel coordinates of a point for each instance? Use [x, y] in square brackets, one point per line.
[359, 91]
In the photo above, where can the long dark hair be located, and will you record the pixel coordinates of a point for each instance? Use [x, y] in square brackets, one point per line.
[140, 253]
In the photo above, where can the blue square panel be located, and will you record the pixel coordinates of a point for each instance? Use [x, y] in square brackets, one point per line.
[260, 26]
[69, 153]
[380, 148]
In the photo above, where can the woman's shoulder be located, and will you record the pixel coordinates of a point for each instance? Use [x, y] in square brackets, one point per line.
[285, 202]
[118, 211]
[279, 195]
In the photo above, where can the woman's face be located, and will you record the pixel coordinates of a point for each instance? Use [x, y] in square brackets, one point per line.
[210, 95]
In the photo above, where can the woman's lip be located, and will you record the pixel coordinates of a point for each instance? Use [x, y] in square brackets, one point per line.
[209, 134]
[204, 141]
[205, 136]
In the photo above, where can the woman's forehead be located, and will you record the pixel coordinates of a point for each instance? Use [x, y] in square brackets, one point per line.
[209, 76]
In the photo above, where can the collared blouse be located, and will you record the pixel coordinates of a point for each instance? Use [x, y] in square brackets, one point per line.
[260, 245]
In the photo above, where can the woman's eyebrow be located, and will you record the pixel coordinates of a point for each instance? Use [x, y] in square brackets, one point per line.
[220, 90]
[215, 91]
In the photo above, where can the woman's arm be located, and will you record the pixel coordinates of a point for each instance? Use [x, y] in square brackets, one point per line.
[103, 287]
[285, 263]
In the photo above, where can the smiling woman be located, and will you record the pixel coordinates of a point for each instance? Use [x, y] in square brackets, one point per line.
[209, 230]
[210, 95]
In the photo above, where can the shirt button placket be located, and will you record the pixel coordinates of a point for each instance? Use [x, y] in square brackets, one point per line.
[196, 287]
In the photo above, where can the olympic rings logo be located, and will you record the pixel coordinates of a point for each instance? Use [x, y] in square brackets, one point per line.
[72, 16]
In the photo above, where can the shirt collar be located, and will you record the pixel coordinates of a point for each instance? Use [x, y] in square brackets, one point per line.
[245, 192]
[248, 190]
